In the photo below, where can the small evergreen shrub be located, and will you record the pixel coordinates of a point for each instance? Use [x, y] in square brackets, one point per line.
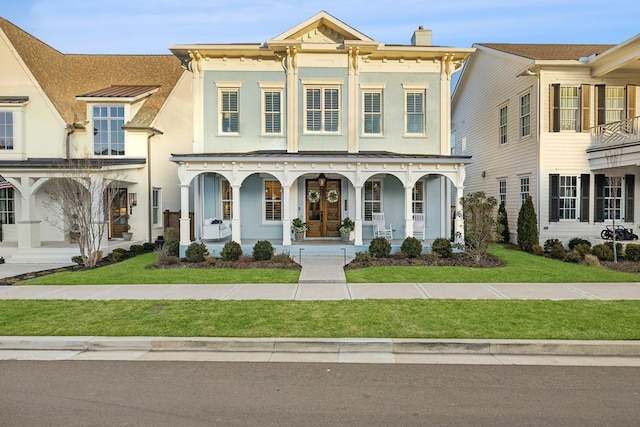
[603, 252]
[442, 247]
[148, 247]
[263, 250]
[574, 257]
[77, 259]
[136, 249]
[582, 249]
[619, 249]
[578, 241]
[196, 252]
[537, 250]
[379, 247]
[549, 244]
[118, 254]
[632, 252]
[412, 247]
[527, 226]
[363, 257]
[504, 234]
[171, 247]
[591, 260]
[557, 251]
[231, 251]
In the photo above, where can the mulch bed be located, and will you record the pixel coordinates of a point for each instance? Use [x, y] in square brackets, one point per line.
[456, 260]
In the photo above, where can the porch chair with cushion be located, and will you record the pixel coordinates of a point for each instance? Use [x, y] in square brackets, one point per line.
[380, 229]
[418, 226]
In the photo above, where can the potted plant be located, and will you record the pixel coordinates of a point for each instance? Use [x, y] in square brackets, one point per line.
[346, 228]
[298, 227]
[126, 235]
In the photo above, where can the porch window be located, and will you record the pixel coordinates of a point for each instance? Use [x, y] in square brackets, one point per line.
[7, 206]
[417, 198]
[108, 134]
[6, 130]
[372, 198]
[272, 201]
[155, 206]
[226, 194]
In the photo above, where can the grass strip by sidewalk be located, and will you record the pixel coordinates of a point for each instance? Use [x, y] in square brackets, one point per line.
[521, 267]
[473, 319]
[134, 270]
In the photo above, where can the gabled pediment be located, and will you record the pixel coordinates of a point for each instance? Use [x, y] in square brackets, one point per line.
[322, 28]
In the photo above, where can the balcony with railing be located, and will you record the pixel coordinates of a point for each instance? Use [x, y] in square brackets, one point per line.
[623, 137]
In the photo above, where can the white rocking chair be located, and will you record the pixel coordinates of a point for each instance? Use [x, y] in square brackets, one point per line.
[419, 226]
[380, 229]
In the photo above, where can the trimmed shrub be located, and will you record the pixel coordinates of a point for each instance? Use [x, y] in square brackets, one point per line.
[557, 251]
[379, 247]
[574, 257]
[231, 251]
[136, 249]
[77, 259]
[362, 257]
[527, 226]
[632, 252]
[537, 250]
[442, 247]
[263, 250]
[619, 249]
[412, 247]
[583, 249]
[148, 247]
[550, 243]
[578, 241]
[171, 247]
[603, 251]
[196, 252]
[118, 254]
[504, 234]
[591, 260]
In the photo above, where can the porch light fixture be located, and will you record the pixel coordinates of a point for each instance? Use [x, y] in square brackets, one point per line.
[322, 180]
[133, 201]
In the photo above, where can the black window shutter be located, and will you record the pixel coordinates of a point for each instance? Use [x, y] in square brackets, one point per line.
[584, 197]
[601, 117]
[599, 208]
[629, 196]
[555, 108]
[554, 198]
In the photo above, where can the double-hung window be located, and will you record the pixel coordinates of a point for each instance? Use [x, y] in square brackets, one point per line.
[417, 198]
[568, 197]
[503, 117]
[612, 197]
[415, 118]
[568, 108]
[525, 115]
[228, 107]
[614, 104]
[226, 196]
[7, 206]
[322, 108]
[502, 191]
[372, 112]
[524, 189]
[155, 206]
[372, 198]
[108, 134]
[6, 130]
[272, 108]
[272, 201]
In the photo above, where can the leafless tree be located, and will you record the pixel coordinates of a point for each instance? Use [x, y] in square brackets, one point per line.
[78, 201]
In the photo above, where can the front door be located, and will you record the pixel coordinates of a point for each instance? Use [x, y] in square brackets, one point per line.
[119, 218]
[323, 208]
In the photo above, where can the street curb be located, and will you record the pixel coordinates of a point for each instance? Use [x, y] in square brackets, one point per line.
[327, 345]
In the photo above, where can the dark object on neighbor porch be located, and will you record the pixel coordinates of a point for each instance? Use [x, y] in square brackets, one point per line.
[159, 243]
[1, 260]
[621, 233]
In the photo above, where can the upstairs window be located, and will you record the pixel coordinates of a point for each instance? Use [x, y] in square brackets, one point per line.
[272, 112]
[229, 111]
[525, 115]
[614, 104]
[372, 112]
[568, 108]
[108, 134]
[322, 109]
[415, 112]
[503, 124]
[6, 130]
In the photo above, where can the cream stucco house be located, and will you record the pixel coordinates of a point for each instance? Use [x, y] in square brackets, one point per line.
[319, 123]
[556, 122]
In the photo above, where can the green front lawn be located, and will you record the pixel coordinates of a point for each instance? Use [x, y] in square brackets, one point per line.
[473, 319]
[521, 267]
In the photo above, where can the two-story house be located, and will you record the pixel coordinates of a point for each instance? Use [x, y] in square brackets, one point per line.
[557, 123]
[124, 111]
[319, 123]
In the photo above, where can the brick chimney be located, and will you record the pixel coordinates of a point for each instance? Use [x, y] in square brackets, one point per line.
[421, 37]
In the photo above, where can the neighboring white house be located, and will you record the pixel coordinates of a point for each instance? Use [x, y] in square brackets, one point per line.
[556, 122]
[128, 111]
[321, 123]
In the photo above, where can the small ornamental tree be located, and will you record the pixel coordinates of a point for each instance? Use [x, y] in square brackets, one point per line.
[479, 223]
[527, 226]
[503, 221]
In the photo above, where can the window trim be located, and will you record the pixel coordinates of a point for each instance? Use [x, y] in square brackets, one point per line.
[525, 116]
[228, 87]
[379, 114]
[576, 198]
[273, 87]
[265, 220]
[109, 119]
[415, 88]
[322, 87]
[12, 136]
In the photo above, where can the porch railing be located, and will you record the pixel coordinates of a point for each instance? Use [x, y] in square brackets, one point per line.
[616, 133]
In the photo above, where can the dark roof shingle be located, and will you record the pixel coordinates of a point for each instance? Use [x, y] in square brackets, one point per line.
[549, 51]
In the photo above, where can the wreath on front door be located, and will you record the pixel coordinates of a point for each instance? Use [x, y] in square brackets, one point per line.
[332, 196]
[313, 196]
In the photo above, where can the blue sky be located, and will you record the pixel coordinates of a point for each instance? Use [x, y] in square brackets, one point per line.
[149, 26]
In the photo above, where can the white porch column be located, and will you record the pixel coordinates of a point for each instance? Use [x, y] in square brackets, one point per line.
[358, 214]
[28, 226]
[286, 221]
[235, 220]
[408, 211]
[459, 219]
[185, 222]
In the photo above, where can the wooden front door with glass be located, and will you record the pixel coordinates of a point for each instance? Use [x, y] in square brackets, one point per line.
[323, 207]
